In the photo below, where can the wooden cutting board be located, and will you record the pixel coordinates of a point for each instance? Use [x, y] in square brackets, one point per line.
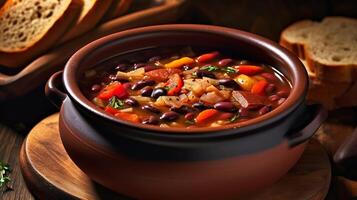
[51, 174]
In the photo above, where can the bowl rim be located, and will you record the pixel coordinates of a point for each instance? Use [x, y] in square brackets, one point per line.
[296, 97]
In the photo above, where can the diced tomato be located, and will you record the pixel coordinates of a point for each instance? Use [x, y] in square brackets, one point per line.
[175, 84]
[160, 75]
[205, 115]
[207, 57]
[111, 110]
[179, 62]
[259, 87]
[249, 69]
[113, 89]
[128, 116]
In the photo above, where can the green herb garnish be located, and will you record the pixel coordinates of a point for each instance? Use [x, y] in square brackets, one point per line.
[210, 68]
[4, 175]
[230, 70]
[234, 118]
[167, 88]
[116, 103]
[189, 122]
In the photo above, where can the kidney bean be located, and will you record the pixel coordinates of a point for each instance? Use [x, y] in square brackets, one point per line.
[153, 120]
[269, 76]
[169, 116]
[283, 93]
[140, 84]
[243, 112]
[224, 62]
[148, 68]
[151, 109]
[225, 106]
[204, 73]
[146, 91]
[96, 88]
[281, 101]
[226, 115]
[270, 88]
[200, 106]
[183, 109]
[155, 58]
[138, 65]
[227, 82]
[127, 86]
[122, 67]
[274, 97]
[264, 109]
[157, 92]
[131, 102]
[190, 116]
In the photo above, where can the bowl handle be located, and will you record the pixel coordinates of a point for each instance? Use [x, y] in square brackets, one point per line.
[346, 154]
[52, 91]
[307, 125]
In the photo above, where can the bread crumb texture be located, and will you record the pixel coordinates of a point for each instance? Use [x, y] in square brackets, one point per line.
[25, 22]
[334, 42]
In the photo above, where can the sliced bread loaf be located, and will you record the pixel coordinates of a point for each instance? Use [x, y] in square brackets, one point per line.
[332, 49]
[329, 47]
[118, 7]
[29, 27]
[92, 13]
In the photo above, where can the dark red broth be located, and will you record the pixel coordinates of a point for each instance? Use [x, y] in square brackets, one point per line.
[181, 87]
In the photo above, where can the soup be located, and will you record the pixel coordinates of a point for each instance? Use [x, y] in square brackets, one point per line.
[181, 87]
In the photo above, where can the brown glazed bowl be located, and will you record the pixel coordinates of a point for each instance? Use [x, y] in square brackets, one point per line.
[147, 162]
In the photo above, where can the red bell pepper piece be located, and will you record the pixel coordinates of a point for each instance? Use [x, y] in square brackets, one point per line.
[207, 57]
[113, 89]
[175, 84]
[249, 69]
[205, 115]
[111, 110]
[259, 87]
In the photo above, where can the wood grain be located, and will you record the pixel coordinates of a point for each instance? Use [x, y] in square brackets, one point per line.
[51, 174]
[9, 151]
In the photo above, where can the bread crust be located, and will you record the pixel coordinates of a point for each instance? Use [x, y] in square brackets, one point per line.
[334, 86]
[67, 20]
[90, 20]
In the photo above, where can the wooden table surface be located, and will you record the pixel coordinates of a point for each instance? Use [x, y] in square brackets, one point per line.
[10, 143]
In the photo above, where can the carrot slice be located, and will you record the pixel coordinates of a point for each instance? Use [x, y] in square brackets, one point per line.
[205, 115]
[249, 69]
[207, 57]
[128, 116]
[259, 87]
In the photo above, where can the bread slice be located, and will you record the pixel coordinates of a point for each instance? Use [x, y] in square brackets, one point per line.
[329, 47]
[118, 8]
[296, 36]
[92, 13]
[332, 49]
[30, 27]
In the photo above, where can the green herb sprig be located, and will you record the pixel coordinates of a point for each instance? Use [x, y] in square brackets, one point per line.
[210, 68]
[230, 70]
[116, 103]
[234, 118]
[4, 175]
